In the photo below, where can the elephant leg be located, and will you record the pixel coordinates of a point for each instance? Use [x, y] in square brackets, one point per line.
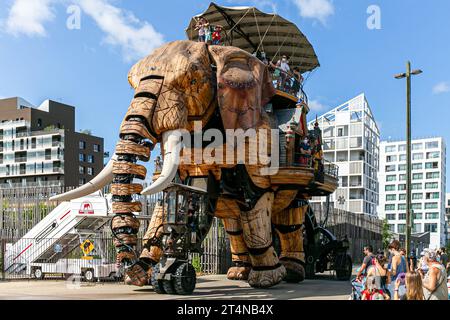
[289, 227]
[239, 253]
[257, 230]
[125, 226]
[152, 251]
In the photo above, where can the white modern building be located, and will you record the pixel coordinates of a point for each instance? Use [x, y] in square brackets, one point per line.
[447, 216]
[351, 140]
[428, 178]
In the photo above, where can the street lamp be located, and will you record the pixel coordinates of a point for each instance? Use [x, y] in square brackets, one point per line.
[408, 75]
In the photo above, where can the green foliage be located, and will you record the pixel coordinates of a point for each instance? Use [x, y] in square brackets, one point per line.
[87, 131]
[387, 234]
[196, 264]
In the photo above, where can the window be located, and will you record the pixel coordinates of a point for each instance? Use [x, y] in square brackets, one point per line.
[389, 207]
[417, 227]
[401, 206]
[82, 145]
[431, 215]
[432, 145]
[390, 168]
[417, 146]
[417, 156]
[417, 196]
[401, 228]
[431, 185]
[402, 157]
[96, 148]
[402, 216]
[402, 177]
[402, 167]
[432, 195]
[81, 181]
[401, 187]
[417, 176]
[391, 197]
[417, 166]
[391, 178]
[402, 147]
[432, 175]
[90, 158]
[390, 216]
[82, 157]
[433, 155]
[390, 187]
[81, 170]
[416, 186]
[391, 158]
[90, 171]
[402, 196]
[390, 148]
[431, 205]
[416, 206]
[340, 132]
[392, 227]
[431, 165]
[418, 215]
[431, 227]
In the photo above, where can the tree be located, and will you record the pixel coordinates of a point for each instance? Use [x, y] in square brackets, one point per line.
[87, 131]
[387, 234]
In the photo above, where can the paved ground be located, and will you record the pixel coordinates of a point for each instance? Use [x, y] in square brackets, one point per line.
[208, 287]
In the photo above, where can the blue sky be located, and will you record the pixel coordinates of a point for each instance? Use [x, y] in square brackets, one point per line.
[41, 58]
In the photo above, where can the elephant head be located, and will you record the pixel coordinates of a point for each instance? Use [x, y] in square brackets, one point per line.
[182, 82]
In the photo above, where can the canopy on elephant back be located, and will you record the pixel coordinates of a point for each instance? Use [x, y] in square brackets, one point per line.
[255, 31]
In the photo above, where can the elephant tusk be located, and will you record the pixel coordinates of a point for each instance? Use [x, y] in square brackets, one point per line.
[101, 180]
[172, 146]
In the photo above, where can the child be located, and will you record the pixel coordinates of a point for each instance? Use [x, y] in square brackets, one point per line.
[216, 36]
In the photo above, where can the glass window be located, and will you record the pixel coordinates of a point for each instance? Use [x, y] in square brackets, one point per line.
[390, 187]
[391, 158]
[82, 145]
[402, 177]
[433, 155]
[417, 156]
[416, 186]
[402, 167]
[390, 168]
[431, 185]
[402, 147]
[402, 157]
[390, 148]
[401, 187]
[432, 195]
[402, 216]
[401, 228]
[402, 196]
[417, 176]
[431, 165]
[417, 146]
[390, 216]
[417, 228]
[389, 207]
[96, 147]
[90, 171]
[417, 196]
[401, 207]
[81, 169]
[416, 206]
[417, 166]
[391, 197]
[431, 215]
[432, 175]
[418, 215]
[391, 178]
[432, 145]
[90, 158]
[431, 205]
[431, 227]
[81, 181]
[82, 157]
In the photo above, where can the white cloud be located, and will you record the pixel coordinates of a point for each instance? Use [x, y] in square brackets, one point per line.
[28, 17]
[315, 105]
[441, 87]
[315, 9]
[136, 38]
[260, 4]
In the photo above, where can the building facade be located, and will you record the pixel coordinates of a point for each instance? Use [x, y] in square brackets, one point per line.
[39, 145]
[447, 216]
[351, 140]
[428, 176]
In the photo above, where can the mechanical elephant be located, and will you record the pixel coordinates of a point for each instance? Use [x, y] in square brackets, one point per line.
[221, 87]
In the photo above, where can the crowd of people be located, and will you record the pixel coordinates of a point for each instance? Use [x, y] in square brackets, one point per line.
[285, 79]
[399, 277]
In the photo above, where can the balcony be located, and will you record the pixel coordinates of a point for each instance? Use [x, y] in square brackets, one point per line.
[288, 83]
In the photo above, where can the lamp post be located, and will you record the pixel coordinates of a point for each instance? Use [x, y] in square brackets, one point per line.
[408, 75]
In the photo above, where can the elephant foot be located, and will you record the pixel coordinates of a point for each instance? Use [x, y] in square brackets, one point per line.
[136, 276]
[295, 270]
[266, 278]
[239, 272]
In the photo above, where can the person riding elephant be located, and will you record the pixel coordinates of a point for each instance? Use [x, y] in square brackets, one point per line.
[178, 86]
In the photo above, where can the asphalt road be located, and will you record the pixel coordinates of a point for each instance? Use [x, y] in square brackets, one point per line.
[324, 287]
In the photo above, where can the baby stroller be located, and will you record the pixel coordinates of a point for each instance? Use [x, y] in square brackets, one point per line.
[357, 289]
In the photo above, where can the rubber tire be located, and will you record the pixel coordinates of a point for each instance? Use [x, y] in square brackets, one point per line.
[38, 274]
[157, 284]
[168, 286]
[90, 278]
[346, 273]
[185, 279]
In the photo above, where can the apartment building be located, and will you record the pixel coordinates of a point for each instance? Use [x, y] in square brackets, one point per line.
[39, 145]
[428, 176]
[447, 216]
[351, 141]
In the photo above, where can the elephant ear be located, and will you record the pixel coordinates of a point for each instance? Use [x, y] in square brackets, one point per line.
[243, 87]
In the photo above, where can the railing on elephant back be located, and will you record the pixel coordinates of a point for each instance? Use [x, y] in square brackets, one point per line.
[291, 85]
